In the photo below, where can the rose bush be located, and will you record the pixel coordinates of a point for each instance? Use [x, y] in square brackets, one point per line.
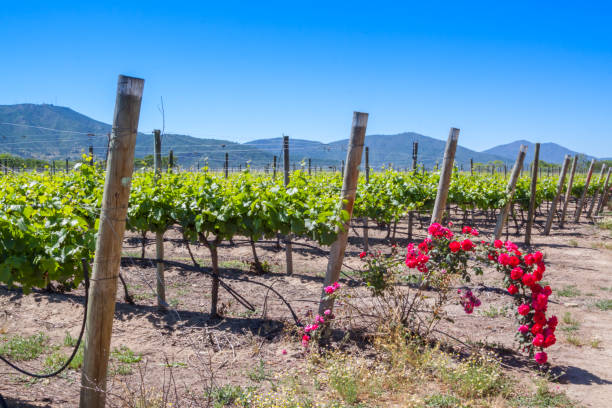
[443, 257]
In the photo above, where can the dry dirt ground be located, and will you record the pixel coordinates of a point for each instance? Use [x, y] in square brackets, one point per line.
[198, 351]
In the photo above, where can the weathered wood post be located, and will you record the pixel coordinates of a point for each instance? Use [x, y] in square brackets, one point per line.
[159, 236]
[471, 167]
[502, 217]
[347, 200]
[585, 192]
[594, 200]
[91, 157]
[288, 247]
[365, 219]
[415, 154]
[226, 165]
[103, 289]
[309, 167]
[170, 160]
[603, 198]
[553, 205]
[568, 192]
[532, 194]
[66, 165]
[445, 176]
[274, 169]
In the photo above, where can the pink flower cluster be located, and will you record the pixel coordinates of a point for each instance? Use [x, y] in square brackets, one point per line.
[332, 288]
[469, 301]
[311, 328]
[438, 231]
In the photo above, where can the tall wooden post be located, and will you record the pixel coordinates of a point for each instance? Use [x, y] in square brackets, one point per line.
[288, 247]
[159, 236]
[445, 175]
[170, 160]
[594, 199]
[603, 198]
[91, 157]
[66, 165]
[568, 192]
[103, 289]
[502, 217]
[309, 167]
[532, 193]
[347, 200]
[585, 192]
[366, 246]
[415, 154]
[553, 206]
[274, 169]
[226, 165]
[471, 167]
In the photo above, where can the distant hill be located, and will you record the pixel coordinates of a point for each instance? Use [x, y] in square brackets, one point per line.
[51, 132]
[549, 152]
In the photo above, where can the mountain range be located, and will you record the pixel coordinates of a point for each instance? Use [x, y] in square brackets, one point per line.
[52, 132]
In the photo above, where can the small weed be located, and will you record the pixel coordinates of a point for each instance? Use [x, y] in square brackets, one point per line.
[69, 341]
[574, 340]
[174, 302]
[570, 324]
[259, 372]
[226, 395]
[442, 401]
[544, 398]
[573, 242]
[125, 358]
[569, 291]
[604, 304]
[595, 343]
[19, 348]
[495, 312]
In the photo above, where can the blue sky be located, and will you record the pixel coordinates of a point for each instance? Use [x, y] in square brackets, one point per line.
[249, 70]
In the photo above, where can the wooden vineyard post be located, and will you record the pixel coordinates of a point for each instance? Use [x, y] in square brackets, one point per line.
[66, 165]
[274, 169]
[170, 161]
[226, 165]
[103, 289]
[288, 247]
[445, 175]
[91, 158]
[415, 155]
[532, 194]
[553, 205]
[510, 187]
[347, 200]
[309, 167]
[568, 192]
[471, 167]
[594, 200]
[584, 193]
[365, 219]
[604, 196]
[159, 236]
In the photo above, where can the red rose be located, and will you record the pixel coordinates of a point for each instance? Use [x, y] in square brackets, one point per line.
[454, 246]
[537, 256]
[423, 247]
[467, 229]
[514, 261]
[538, 340]
[475, 232]
[513, 290]
[523, 310]
[498, 244]
[536, 328]
[553, 321]
[541, 357]
[516, 273]
[550, 340]
[528, 279]
[539, 318]
[467, 245]
[529, 259]
[362, 255]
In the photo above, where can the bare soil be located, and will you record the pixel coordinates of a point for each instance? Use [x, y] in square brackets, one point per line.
[198, 351]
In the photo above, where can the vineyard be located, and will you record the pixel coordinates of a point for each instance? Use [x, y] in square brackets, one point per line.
[301, 289]
[48, 222]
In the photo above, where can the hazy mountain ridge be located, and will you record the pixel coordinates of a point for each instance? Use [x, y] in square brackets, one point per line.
[55, 132]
